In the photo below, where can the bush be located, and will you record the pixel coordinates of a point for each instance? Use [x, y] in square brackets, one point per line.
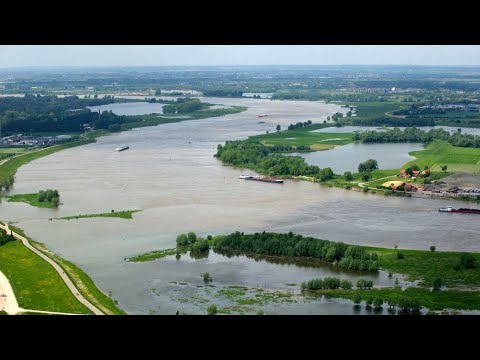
[408, 305]
[212, 309]
[365, 189]
[331, 283]
[357, 299]
[200, 246]
[192, 237]
[377, 303]
[206, 276]
[345, 284]
[400, 255]
[432, 248]
[369, 301]
[348, 176]
[467, 260]
[182, 240]
[364, 284]
[437, 282]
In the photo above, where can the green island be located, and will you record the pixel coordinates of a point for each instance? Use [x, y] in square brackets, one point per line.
[457, 274]
[124, 214]
[26, 280]
[44, 199]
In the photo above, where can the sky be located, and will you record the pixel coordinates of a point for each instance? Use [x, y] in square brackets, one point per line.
[158, 55]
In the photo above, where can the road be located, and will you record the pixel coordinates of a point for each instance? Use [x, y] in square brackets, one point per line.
[60, 271]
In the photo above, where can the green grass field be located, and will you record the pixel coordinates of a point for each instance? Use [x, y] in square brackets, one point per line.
[36, 284]
[125, 214]
[377, 109]
[82, 281]
[153, 255]
[433, 300]
[305, 136]
[9, 150]
[440, 153]
[425, 264]
[31, 199]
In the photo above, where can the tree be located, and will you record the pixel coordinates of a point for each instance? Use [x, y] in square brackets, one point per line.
[182, 240]
[345, 284]
[200, 246]
[279, 127]
[437, 282]
[192, 237]
[366, 176]
[415, 167]
[369, 301]
[367, 166]
[212, 309]
[348, 175]
[400, 255]
[328, 118]
[325, 174]
[357, 299]
[377, 303]
[432, 248]
[444, 168]
[55, 201]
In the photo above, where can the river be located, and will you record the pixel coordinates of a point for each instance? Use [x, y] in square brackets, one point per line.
[170, 173]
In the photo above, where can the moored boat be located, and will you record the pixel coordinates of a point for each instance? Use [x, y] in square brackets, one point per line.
[460, 210]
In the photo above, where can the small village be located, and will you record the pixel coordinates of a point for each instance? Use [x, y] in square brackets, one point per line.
[434, 188]
[33, 141]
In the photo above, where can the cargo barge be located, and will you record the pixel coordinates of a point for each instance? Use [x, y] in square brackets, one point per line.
[461, 210]
[261, 178]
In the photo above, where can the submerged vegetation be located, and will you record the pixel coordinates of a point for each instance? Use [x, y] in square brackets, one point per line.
[124, 214]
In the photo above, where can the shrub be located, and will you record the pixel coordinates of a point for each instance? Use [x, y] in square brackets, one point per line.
[377, 303]
[206, 276]
[182, 240]
[345, 284]
[192, 237]
[212, 309]
[437, 282]
[467, 260]
[357, 299]
[200, 246]
[432, 248]
[369, 301]
[400, 255]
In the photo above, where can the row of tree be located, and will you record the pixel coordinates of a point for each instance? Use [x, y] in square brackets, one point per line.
[413, 134]
[53, 114]
[194, 243]
[253, 155]
[298, 125]
[183, 107]
[344, 256]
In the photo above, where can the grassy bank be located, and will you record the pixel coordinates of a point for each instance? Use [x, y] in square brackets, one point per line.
[153, 255]
[426, 264]
[125, 214]
[36, 284]
[432, 300]
[306, 136]
[153, 120]
[31, 199]
[82, 281]
[438, 153]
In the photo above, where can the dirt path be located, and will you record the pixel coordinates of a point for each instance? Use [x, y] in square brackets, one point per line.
[8, 302]
[60, 271]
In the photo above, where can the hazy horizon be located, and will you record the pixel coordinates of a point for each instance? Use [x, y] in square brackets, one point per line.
[39, 56]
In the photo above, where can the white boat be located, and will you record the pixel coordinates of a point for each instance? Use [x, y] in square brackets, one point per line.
[446, 209]
[244, 176]
[126, 147]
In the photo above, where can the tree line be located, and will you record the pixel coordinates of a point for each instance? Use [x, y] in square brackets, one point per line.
[298, 125]
[341, 255]
[413, 134]
[53, 114]
[51, 196]
[5, 238]
[185, 106]
[253, 155]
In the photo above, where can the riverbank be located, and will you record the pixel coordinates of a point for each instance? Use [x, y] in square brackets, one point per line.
[459, 283]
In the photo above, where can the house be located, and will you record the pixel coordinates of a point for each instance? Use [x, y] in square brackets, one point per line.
[426, 171]
[416, 172]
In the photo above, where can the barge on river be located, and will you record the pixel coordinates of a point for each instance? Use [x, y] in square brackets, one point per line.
[461, 210]
[261, 178]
